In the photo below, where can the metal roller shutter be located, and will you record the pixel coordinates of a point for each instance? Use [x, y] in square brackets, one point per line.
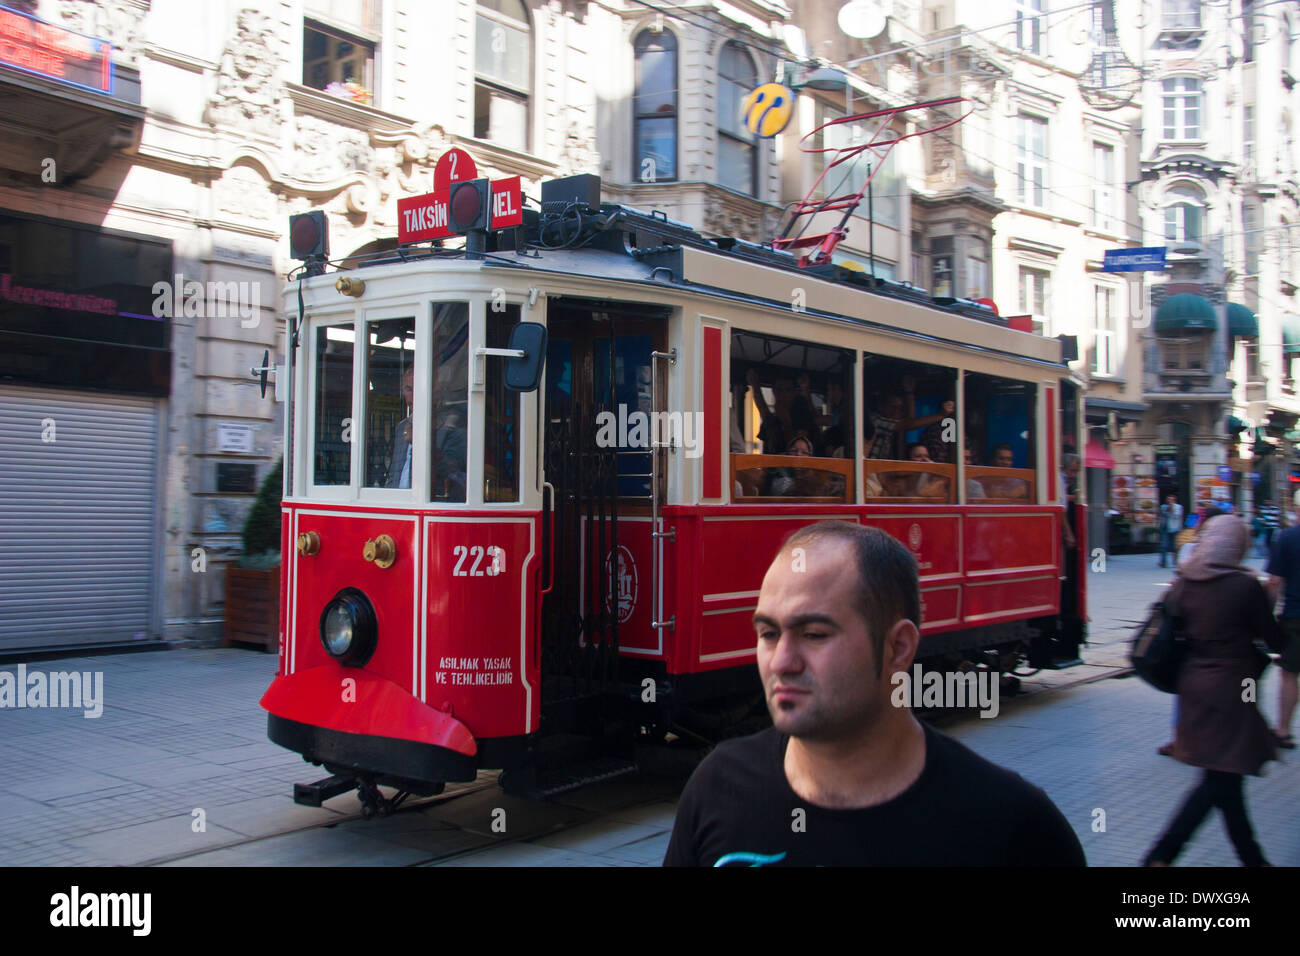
[78, 518]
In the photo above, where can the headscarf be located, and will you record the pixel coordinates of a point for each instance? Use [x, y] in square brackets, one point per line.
[1220, 548]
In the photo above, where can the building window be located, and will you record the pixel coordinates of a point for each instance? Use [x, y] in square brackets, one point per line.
[1184, 216]
[1103, 186]
[1252, 360]
[1182, 15]
[338, 64]
[1250, 234]
[1182, 108]
[1248, 30]
[655, 107]
[1284, 250]
[885, 200]
[1031, 160]
[1184, 354]
[1248, 134]
[1029, 26]
[941, 266]
[737, 152]
[1105, 357]
[503, 73]
[1035, 291]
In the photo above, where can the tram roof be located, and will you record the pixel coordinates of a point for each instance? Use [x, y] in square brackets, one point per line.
[652, 253]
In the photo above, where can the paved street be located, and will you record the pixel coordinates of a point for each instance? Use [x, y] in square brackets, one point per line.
[178, 769]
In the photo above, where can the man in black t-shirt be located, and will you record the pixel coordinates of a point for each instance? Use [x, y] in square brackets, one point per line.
[844, 777]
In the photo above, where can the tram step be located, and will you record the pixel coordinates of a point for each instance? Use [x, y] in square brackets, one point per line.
[315, 794]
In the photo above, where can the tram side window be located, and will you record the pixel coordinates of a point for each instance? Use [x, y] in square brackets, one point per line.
[448, 401]
[332, 441]
[390, 397]
[1000, 428]
[910, 430]
[788, 399]
[500, 414]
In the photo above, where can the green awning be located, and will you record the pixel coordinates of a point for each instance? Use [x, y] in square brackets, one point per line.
[1186, 311]
[1291, 334]
[1242, 321]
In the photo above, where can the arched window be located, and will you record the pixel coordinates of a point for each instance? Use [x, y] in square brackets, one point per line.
[1184, 215]
[737, 152]
[655, 107]
[503, 73]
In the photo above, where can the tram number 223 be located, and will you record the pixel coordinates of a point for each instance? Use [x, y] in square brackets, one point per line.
[494, 556]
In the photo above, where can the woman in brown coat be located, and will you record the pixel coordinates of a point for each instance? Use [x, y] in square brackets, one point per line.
[1224, 610]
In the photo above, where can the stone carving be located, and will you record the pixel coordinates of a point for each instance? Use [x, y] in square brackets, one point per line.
[579, 151]
[724, 221]
[325, 151]
[249, 95]
[242, 194]
[117, 21]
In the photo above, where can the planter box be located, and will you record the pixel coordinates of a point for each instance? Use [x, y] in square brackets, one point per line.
[253, 608]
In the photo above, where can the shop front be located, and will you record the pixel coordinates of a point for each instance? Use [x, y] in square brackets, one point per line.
[85, 371]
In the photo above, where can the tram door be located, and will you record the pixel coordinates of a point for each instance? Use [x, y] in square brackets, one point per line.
[598, 369]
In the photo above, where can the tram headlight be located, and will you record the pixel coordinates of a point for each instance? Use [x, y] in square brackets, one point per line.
[348, 628]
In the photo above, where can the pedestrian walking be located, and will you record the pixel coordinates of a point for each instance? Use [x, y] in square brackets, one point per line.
[1171, 522]
[1223, 610]
[846, 776]
[1284, 577]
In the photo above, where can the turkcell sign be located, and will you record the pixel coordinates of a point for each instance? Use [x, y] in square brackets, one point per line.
[420, 218]
[1151, 259]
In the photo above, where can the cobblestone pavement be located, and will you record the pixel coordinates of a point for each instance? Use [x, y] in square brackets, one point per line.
[178, 769]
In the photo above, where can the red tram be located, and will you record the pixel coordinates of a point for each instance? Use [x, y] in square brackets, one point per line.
[532, 486]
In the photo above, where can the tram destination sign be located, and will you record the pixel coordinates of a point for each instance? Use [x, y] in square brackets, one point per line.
[55, 52]
[1149, 259]
[421, 218]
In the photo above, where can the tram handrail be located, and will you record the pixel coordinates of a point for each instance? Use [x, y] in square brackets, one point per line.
[550, 534]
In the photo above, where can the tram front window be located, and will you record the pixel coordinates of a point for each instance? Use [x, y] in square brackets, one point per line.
[332, 405]
[390, 402]
[448, 390]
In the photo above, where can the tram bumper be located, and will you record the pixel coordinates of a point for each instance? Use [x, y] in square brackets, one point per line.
[373, 727]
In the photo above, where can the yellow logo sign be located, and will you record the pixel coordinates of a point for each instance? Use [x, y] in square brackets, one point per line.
[768, 109]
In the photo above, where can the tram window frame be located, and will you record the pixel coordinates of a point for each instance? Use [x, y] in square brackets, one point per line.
[751, 351]
[432, 390]
[983, 439]
[498, 325]
[345, 322]
[901, 478]
[365, 408]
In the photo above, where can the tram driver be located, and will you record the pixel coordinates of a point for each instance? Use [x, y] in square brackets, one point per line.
[399, 460]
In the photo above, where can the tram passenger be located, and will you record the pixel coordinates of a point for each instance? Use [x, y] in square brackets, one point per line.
[1003, 456]
[874, 786]
[974, 490]
[791, 482]
[449, 457]
[791, 412]
[899, 416]
[923, 484]
[399, 460]
[939, 448]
